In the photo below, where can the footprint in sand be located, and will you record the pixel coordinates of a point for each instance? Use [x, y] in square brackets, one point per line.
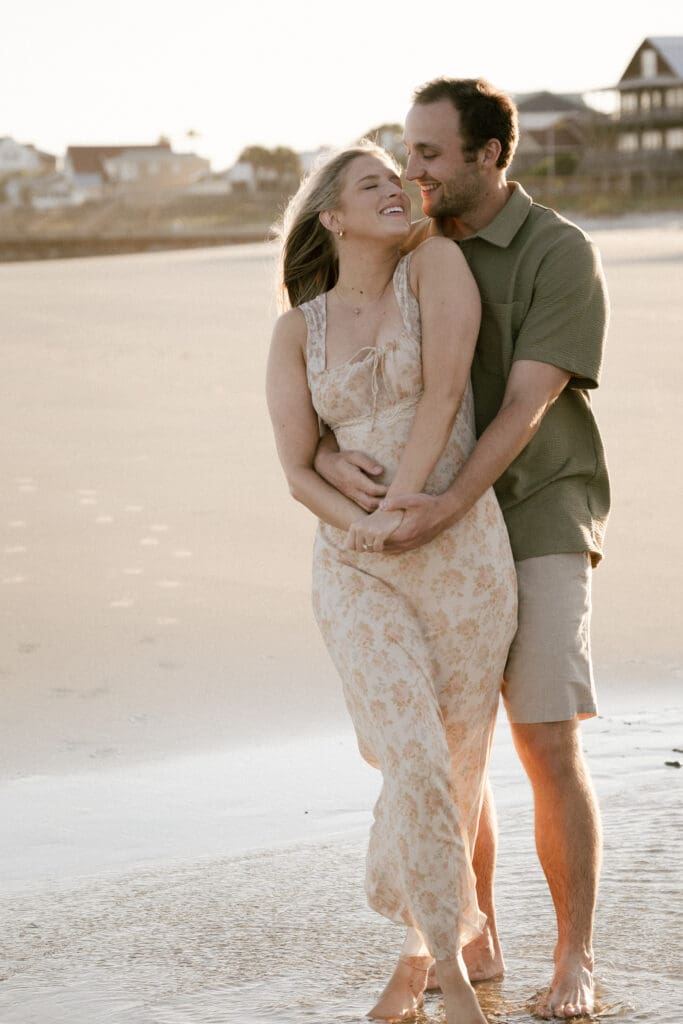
[122, 602]
[15, 549]
[14, 579]
[166, 620]
[104, 752]
[182, 553]
[104, 519]
[87, 496]
[149, 542]
[17, 524]
[133, 570]
[132, 508]
[27, 648]
[26, 486]
[159, 527]
[169, 584]
[170, 666]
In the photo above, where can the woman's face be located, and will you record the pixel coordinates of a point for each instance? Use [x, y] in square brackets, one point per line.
[372, 204]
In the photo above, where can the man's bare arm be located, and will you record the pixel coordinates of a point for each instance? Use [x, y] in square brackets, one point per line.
[532, 388]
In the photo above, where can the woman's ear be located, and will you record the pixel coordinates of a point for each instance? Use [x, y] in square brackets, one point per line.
[329, 220]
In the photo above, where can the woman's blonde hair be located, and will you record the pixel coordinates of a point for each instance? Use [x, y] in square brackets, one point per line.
[309, 264]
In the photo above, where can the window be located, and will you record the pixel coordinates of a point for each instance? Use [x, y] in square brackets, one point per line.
[656, 99]
[652, 140]
[629, 102]
[645, 100]
[648, 64]
[674, 138]
[628, 142]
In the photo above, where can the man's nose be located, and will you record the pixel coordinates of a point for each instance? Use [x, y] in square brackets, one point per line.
[413, 168]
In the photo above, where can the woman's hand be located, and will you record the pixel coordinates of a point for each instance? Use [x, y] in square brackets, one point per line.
[370, 533]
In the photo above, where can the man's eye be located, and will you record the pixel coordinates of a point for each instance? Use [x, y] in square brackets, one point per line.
[367, 187]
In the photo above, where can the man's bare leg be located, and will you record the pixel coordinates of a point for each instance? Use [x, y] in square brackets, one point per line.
[568, 841]
[483, 957]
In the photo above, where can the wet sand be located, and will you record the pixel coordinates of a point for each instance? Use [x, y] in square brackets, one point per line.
[187, 813]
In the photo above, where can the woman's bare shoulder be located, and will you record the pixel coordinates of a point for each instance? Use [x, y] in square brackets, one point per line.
[290, 328]
[436, 258]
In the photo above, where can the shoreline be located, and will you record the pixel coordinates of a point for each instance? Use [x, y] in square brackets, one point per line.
[15, 249]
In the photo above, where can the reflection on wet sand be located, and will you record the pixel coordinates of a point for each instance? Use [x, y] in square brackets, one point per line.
[285, 937]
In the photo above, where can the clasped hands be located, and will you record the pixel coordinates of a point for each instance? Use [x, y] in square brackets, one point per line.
[393, 525]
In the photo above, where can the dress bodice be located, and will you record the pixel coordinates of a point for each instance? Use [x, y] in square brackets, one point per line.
[374, 379]
[369, 400]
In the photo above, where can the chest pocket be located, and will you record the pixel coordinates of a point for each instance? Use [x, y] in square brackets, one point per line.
[500, 324]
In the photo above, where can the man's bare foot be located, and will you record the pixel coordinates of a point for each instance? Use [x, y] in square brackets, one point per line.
[483, 959]
[403, 995]
[570, 993]
[459, 999]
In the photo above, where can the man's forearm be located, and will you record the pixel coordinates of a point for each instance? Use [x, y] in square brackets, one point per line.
[496, 449]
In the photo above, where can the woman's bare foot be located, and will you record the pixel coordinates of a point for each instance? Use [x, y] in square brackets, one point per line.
[403, 995]
[483, 959]
[570, 993]
[460, 1001]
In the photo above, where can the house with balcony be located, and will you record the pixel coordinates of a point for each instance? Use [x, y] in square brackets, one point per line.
[649, 121]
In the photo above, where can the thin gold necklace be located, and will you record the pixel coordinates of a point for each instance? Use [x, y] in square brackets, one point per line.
[357, 310]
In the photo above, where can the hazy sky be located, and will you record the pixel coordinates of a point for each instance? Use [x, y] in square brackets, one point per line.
[293, 72]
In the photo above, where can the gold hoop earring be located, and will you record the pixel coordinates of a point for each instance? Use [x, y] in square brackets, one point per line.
[340, 233]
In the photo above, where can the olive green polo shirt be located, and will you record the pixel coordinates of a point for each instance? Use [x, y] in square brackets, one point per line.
[544, 298]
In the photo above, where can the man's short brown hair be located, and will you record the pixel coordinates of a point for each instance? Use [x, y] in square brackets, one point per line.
[485, 113]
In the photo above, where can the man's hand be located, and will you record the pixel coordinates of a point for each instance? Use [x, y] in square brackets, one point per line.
[370, 533]
[425, 517]
[351, 473]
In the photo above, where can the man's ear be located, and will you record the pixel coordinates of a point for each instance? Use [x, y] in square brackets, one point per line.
[490, 152]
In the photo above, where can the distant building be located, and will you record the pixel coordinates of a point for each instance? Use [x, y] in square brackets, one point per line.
[649, 122]
[555, 132]
[43, 192]
[21, 158]
[115, 169]
[145, 168]
[651, 97]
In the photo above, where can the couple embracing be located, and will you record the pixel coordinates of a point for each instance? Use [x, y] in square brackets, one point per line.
[461, 490]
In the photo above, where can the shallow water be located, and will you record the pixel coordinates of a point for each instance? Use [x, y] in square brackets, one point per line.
[283, 936]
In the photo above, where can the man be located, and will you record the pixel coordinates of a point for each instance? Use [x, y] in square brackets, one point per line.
[544, 314]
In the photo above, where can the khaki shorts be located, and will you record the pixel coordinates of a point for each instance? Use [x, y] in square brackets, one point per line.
[549, 675]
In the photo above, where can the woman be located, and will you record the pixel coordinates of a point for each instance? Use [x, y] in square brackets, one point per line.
[378, 347]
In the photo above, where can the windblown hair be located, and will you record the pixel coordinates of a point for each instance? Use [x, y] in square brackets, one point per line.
[485, 113]
[310, 264]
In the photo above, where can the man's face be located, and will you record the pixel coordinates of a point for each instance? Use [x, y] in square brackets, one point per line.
[451, 183]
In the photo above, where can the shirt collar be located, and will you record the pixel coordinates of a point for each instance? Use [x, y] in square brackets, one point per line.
[507, 223]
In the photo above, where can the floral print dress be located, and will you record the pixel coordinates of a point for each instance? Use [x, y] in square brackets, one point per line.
[419, 639]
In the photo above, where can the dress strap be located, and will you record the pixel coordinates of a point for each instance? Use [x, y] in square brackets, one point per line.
[407, 302]
[314, 314]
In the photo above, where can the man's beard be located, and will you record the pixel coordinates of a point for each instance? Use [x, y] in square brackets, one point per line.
[457, 198]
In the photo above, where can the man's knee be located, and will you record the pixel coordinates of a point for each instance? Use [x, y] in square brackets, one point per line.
[549, 750]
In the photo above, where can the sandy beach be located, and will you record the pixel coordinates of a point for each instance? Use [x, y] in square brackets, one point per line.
[185, 811]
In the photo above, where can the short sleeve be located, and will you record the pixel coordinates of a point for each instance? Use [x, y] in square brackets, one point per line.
[567, 320]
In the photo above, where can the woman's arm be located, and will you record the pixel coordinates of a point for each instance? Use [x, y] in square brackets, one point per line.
[295, 424]
[450, 311]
